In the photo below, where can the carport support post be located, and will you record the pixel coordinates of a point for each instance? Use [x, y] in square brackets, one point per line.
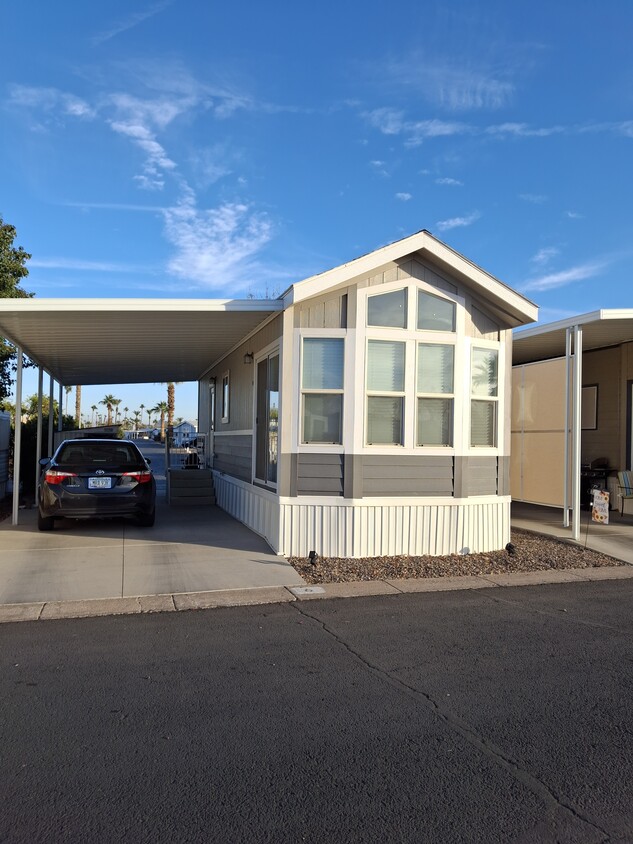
[50, 417]
[17, 439]
[38, 436]
[60, 408]
[575, 462]
[567, 420]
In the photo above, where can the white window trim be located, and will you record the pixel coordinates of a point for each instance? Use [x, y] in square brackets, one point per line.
[411, 337]
[225, 410]
[424, 395]
[500, 398]
[298, 446]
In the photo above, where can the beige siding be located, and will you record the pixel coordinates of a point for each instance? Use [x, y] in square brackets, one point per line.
[324, 312]
[241, 377]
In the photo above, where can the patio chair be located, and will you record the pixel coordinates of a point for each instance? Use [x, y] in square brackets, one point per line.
[625, 482]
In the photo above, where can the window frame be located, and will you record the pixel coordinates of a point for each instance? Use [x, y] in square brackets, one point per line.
[411, 336]
[422, 394]
[496, 401]
[225, 397]
[339, 335]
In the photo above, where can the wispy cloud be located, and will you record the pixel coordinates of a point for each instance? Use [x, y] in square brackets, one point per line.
[404, 197]
[574, 215]
[379, 168]
[544, 256]
[79, 265]
[564, 277]
[458, 222]
[114, 206]
[216, 247]
[450, 85]
[534, 198]
[49, 101]
[130, 22]
[524, 130]
[448, 181]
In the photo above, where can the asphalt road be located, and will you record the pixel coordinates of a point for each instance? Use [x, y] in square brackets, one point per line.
[488, 716]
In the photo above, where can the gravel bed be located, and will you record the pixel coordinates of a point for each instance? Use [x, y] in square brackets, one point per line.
[531, 552]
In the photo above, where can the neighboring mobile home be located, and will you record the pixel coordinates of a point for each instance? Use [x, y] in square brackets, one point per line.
[566, 440]
[371, 416]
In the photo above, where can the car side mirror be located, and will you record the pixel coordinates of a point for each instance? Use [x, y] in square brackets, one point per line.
[148, 460]
[44, 460]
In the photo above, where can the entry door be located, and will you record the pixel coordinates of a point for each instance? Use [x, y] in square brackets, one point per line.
[267, 419]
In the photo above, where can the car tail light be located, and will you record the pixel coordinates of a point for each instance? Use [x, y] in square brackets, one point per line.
[53, 476]
[143, 477]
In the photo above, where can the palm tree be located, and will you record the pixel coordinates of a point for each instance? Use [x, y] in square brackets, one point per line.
[78, 405]
[142, 406]
[161, 408]
[136, 414]
[109, 401]
[68, 389]
[94, 410]
[115, 404]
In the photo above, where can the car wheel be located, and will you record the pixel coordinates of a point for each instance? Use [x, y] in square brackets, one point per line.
[148, 519]
[45, 522]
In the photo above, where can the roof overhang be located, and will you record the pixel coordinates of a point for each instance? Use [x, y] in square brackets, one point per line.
[600, 329]
[130, 341]
[506, 303]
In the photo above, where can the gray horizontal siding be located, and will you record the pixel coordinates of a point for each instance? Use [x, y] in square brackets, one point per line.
[476, 476]
[319, 474]
[406, 475]
[233, 455]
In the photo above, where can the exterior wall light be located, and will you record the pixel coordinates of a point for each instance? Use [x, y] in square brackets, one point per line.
[248, 358]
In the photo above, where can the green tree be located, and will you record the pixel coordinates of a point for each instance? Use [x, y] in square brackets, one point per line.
[109, 401]
[161, 408]
[12, 271]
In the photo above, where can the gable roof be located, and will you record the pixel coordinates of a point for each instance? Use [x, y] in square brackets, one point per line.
[506, 302]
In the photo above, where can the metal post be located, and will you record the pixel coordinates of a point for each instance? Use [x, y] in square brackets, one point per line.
[17, 439]
[38, 438]
[567, 419]
[60, 409]
[51, 418]
[575, 461]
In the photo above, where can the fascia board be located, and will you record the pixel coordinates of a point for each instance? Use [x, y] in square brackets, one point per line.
[139, 305]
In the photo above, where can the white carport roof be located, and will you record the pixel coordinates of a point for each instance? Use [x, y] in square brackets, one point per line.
[607, 327]
[128, 341]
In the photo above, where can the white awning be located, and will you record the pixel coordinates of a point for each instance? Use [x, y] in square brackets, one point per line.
[130, 341]
[600, 329]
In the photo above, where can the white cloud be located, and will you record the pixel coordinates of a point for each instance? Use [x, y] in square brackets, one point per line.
[544, 256]
[448, 181]
[404, 197]
[457, 222]
[560, 279]
[388, 120]
[574, 215]
[216, 247]
[534, 198]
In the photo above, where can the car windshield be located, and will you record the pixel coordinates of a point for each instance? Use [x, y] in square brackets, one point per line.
[99, 453]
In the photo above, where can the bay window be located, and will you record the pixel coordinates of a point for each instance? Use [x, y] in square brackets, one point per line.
[435, 390]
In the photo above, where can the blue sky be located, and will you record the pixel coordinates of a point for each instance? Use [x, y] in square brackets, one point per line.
[201, 149]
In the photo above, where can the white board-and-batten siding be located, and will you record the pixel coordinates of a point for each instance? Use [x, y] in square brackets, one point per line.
[362, 528]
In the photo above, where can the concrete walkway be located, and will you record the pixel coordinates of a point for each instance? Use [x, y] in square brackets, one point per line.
[188, 550]
[614, 539]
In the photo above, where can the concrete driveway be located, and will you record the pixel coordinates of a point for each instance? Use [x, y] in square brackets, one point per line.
[188, 550]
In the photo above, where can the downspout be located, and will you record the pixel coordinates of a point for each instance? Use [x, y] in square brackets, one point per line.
[575, 465]
[17, 439]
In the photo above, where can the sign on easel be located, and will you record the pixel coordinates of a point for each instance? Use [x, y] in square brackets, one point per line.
[600, 506]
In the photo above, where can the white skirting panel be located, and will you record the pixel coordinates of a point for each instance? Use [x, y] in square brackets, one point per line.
[358, 529]
[295, 526]
[257, 508]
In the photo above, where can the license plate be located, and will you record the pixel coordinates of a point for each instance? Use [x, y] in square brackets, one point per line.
[99, 483]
